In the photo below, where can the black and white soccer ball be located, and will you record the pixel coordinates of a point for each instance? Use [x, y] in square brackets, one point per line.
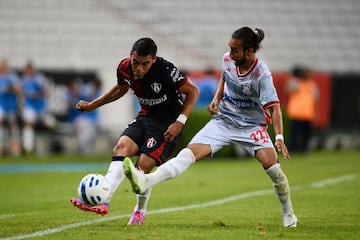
[94, 189]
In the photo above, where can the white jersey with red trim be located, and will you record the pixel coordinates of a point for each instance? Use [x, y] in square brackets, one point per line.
[247, 96]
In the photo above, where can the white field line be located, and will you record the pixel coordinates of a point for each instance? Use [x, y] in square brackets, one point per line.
[4, 216]
[332, 181]
[7, 216]
[327, 182]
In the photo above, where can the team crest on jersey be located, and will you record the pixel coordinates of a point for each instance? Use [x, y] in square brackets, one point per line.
[246, 89]
[156, 87]
[151, 142]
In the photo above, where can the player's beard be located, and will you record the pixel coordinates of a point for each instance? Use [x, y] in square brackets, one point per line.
[240, 61]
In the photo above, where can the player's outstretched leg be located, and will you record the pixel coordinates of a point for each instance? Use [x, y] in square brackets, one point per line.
[135, 176]
[101, 209]
[170, 169]
[282, 190]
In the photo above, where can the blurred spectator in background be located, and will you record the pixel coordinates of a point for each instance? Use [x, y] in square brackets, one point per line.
[34, 110]
[301, 107]
[10, 92]
[207, 85]
[86, 124]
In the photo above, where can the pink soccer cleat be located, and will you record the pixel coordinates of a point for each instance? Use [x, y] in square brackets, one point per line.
[136, 218]
[101, 209]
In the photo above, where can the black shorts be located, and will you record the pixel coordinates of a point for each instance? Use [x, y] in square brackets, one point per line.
[148, 134]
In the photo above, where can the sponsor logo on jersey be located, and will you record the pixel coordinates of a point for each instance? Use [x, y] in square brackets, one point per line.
[156, 87]
[151, 142]
[241, 103]
[175, 75]
[152, 102]
[127, 81]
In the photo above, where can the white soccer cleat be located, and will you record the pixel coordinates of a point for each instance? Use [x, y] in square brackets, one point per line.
[135, 176]
[290, 220]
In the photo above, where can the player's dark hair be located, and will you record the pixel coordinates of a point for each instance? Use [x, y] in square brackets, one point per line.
[251, 39]
[145, 46]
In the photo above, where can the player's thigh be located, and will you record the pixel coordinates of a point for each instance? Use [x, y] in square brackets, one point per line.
[266, 156]
[131, 139]
[213, 136]
[200, 151]
[146, 163]
[154, 144]
[125, 147]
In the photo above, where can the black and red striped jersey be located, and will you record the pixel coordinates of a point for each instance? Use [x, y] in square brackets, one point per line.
[157, 91]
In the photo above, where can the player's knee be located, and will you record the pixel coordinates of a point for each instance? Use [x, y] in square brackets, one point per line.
[122, 150]
[146, 163]
[186, 153]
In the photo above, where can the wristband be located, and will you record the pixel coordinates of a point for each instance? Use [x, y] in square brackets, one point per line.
[182, 118]
[279, 137]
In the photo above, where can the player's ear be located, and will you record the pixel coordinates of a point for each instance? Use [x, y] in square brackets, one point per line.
[250, 51]
[154, 59]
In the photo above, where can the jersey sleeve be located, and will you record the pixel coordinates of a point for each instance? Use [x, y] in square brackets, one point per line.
[177, 78]
[268, 94]
[120, 79]
[123, 72]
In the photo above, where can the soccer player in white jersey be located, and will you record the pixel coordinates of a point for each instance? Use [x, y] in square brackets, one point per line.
[243, 106]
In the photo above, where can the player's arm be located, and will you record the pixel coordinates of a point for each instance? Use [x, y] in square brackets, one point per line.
[191, 92]
[213, 106]
[269, 99]
[277, 122]
[111, 95]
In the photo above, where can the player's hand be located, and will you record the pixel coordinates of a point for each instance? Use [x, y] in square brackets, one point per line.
[173, 130]
[281, 147]
[213, 107]
[84, 106]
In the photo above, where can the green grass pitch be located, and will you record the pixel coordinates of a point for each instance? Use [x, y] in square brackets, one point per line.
[214, 199]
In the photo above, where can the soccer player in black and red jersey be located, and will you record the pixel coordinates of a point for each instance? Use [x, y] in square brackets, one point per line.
[166, 98]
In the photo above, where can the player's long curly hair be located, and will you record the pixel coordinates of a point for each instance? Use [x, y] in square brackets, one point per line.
[251, 39]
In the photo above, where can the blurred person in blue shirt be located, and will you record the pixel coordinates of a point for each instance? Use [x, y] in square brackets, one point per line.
[207, 85]
[85, 124]
[10, 92]
[34, 85]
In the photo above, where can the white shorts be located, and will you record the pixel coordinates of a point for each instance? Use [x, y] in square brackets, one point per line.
[31, 115]
[218, 133]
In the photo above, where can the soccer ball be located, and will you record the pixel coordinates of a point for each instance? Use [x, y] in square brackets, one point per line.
[94, 189]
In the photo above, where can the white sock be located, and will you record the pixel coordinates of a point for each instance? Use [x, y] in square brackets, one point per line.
[28, 139]
[281, 187]
[142, 201]
[172, 168]
[115, 175]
